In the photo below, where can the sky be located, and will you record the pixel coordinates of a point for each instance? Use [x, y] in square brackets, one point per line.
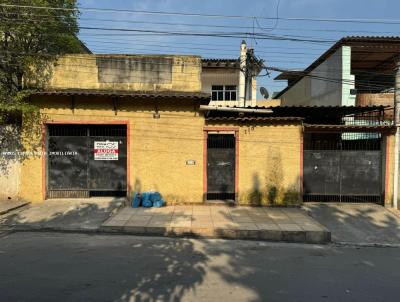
[285, 54]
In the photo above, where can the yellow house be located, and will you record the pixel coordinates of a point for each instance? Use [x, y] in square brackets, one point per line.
[113, 125]
[118, 124]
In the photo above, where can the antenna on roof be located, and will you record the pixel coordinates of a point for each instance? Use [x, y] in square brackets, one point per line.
[264, 92]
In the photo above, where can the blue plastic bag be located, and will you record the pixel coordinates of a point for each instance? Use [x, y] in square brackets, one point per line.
[158, 203]
[155, 196]
[136, 202]
[157, 200]
[146, 202]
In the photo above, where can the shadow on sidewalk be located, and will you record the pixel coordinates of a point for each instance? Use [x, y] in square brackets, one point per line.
[63, 214]
[357, 223]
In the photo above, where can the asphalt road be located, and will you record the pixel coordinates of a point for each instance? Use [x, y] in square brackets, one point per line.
[72, 267]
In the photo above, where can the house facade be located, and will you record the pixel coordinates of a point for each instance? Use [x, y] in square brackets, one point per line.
[355, 71]
[115, 125]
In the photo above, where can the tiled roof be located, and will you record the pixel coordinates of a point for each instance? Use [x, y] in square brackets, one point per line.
[214, 62]
[130, 94]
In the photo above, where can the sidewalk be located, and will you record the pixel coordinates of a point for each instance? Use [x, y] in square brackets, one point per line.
[273, 224]
[355, 223]
[83, 215]
[7, 206]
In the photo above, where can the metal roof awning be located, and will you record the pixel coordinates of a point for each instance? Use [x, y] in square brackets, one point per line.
[316, 118]
[328, 111]
[252, 119]
[293, 111]
[349, 128]
[198, 96]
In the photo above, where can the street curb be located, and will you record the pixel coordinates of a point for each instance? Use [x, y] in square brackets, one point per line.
[15, 208]
[365, 244]
[285, 236]
[102, 231]
[310, 237]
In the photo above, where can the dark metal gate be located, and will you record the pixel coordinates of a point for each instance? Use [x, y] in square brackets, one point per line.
[343, 167]
[221, 166]
[86, 160]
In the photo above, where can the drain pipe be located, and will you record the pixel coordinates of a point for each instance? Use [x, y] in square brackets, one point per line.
[397, 137]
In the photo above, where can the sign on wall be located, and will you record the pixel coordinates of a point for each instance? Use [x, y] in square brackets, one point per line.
[106, 150]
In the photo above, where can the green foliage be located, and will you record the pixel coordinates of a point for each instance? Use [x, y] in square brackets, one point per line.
[31, 39]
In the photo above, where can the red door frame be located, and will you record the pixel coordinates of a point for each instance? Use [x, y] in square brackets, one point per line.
[235, 131]
[301, 165]
[83, 122]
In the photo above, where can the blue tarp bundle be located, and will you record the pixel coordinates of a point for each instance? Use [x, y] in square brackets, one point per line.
[147, 200]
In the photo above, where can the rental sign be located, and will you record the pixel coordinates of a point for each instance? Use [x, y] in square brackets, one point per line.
[106, 150]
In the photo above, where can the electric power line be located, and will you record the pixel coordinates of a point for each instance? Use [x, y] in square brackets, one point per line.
[188, 14]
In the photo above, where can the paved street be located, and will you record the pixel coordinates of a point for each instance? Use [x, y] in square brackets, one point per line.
[71, 267]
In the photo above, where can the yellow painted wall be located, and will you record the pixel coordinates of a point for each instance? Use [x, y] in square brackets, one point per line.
[269, 162]
[152, 72]
[388, 147]
[269, 154]
[158, 151]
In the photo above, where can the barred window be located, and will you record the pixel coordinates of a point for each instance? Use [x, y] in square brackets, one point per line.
[223, 93]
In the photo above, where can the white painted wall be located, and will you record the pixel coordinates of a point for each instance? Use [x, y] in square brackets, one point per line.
[220, 76]
[10, 181]
[324, 86]
[225, 76]
[10, 166]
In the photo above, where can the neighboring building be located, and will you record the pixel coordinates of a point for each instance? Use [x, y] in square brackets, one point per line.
[268, 103]
[231, 82]
[354, 71]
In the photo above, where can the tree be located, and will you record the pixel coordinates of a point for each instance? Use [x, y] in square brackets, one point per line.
[33, 33]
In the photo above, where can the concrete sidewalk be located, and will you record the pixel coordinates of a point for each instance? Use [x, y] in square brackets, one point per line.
[7, 206]
[274, 224]
[356, 223]
[82, 215]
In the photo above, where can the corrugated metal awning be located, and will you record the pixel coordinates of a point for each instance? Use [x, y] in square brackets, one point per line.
[251, 119]
[350, 128]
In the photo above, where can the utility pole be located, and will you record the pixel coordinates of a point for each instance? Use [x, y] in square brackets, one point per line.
[397, 137]
[242, 74]
[253, 68]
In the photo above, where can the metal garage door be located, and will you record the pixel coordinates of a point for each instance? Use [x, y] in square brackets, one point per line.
[86, 160]
[343, 168]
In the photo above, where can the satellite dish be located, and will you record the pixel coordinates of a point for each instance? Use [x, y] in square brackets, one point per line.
[264, 92]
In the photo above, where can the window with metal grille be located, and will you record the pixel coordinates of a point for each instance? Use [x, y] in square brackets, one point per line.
[223, 93]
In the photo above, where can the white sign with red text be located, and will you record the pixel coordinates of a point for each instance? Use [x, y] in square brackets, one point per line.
[106, 150]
